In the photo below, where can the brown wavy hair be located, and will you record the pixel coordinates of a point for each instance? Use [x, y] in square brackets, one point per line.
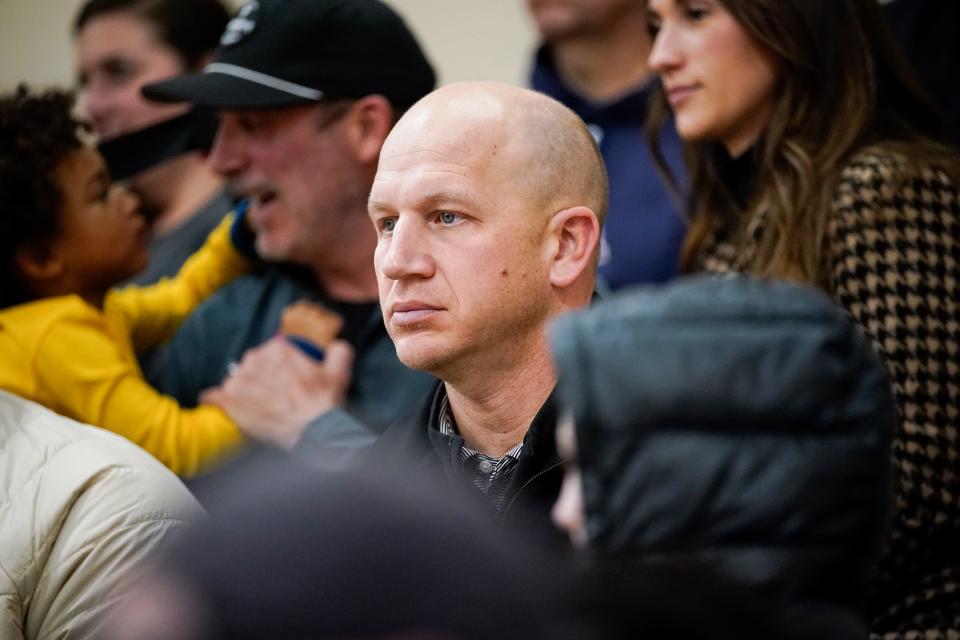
[843, 86]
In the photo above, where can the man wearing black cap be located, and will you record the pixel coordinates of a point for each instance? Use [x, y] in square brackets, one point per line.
[306, 92]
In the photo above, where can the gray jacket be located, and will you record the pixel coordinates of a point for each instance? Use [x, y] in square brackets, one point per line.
[247, 313]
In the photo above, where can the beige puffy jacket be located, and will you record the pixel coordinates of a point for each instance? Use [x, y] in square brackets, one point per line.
[80, 509]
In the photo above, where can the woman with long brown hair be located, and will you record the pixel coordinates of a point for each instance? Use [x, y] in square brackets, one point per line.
[812, 157]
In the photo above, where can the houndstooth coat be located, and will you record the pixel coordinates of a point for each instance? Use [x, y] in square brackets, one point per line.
[893, 257]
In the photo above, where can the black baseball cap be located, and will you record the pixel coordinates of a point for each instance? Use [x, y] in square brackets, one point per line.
[276, 53]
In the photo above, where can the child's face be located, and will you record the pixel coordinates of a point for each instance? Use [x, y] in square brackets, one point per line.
[102, 236]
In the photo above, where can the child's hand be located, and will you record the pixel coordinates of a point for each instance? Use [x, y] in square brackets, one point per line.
[277, 390]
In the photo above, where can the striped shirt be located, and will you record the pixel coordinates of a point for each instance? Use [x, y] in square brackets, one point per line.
[488, 474]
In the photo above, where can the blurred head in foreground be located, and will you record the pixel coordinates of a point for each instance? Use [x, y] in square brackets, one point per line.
[293, 554]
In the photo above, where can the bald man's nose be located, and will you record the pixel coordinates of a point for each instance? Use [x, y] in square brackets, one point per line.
[407, 253]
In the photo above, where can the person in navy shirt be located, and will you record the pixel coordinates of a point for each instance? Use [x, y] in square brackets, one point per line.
[594, 60]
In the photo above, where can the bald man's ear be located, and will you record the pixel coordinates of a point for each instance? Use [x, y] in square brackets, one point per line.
[575, 233]
[371, 119]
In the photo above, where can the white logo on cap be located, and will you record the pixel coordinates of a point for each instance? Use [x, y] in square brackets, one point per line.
[242, 25]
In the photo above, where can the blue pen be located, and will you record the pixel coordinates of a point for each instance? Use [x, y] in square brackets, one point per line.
[307, 347]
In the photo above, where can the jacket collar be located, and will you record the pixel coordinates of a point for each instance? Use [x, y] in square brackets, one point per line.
[537, 443]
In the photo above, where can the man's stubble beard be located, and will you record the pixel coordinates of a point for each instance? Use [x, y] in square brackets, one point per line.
[489, 349]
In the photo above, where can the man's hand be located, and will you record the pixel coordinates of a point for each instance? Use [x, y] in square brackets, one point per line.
[276, 390]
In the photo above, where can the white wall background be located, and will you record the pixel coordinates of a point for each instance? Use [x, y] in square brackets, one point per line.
[464, 39]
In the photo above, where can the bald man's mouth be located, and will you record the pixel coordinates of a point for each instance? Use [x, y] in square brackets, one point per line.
[412, 312]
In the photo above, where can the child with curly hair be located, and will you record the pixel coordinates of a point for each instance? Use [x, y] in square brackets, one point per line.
[67, 339]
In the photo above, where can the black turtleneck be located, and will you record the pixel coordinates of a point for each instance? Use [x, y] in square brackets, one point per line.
[738, 174]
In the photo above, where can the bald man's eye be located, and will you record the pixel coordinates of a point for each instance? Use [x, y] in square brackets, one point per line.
[387, 224]
[449, 217]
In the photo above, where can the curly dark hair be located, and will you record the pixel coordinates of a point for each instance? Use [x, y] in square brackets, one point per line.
[36, 132]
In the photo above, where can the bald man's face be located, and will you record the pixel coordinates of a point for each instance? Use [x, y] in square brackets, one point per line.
[462, 257]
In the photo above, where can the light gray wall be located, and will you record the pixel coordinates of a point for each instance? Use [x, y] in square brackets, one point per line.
[465, 39]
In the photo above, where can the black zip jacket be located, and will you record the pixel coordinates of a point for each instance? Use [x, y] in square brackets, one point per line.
[415, 443]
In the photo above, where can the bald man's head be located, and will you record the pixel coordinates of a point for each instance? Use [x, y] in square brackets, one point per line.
[487, 202]
[543, 148]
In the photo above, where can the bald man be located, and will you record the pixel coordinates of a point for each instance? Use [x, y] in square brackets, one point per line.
[487, 202]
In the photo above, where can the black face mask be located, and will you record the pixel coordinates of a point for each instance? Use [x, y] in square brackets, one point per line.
[130, 154]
